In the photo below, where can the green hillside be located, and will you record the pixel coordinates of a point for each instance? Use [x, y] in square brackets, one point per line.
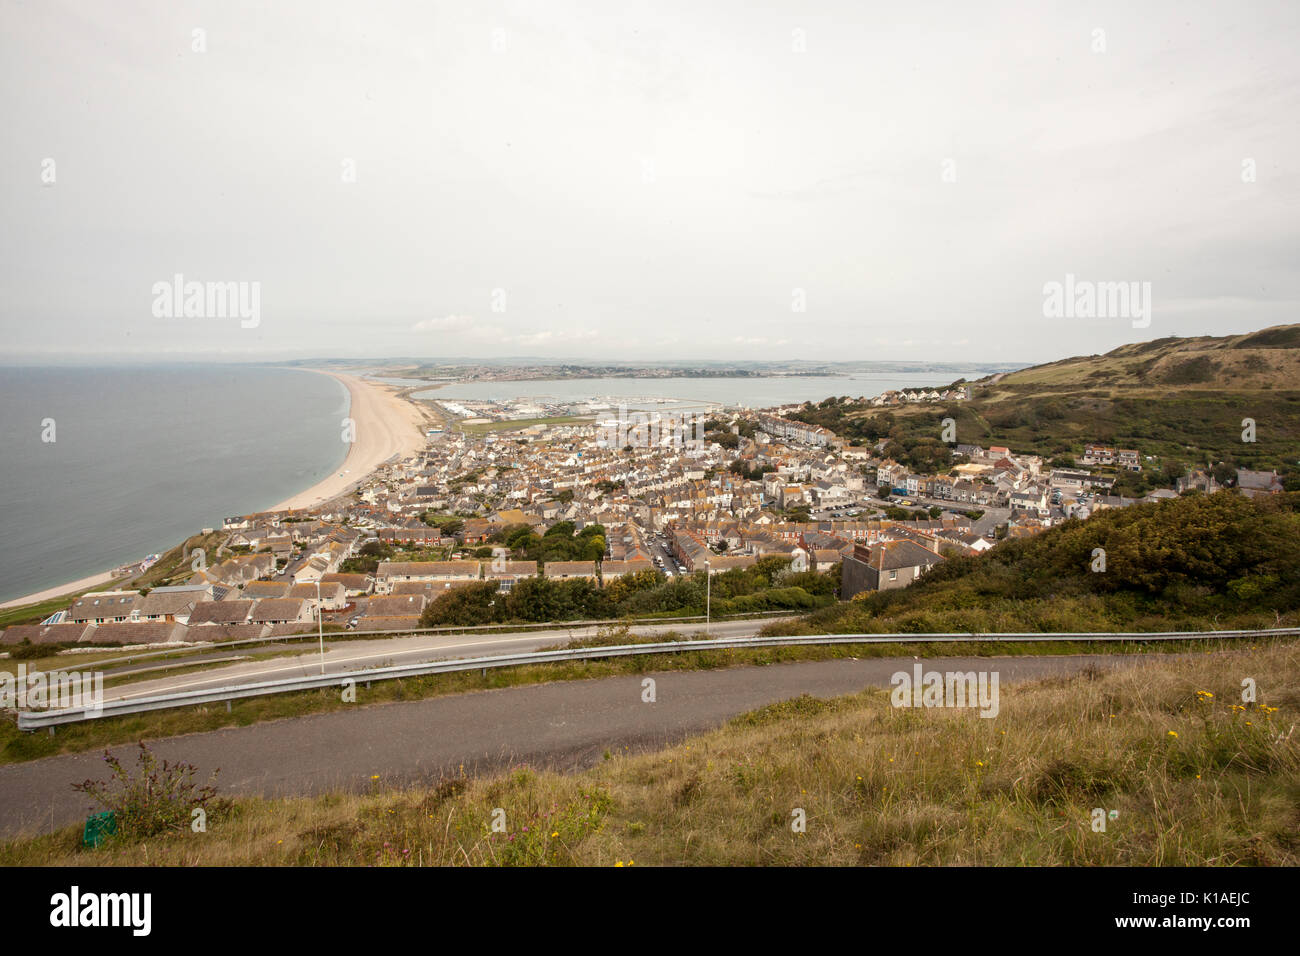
[1199, 562]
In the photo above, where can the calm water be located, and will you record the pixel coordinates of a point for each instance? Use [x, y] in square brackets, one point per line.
[753, 392]
[144, 457]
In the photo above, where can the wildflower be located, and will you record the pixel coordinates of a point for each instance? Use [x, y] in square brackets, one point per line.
[1172, 734]
[555, 834]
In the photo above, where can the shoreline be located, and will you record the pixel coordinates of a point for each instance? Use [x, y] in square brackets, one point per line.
[386, 426]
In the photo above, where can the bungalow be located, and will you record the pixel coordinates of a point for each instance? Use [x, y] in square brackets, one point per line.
[169, 604]
[563, 570]
[613, 570]
[405, 605]
[281, 611]
[103, 607]
[221, 612]
[354, 585]
[391, 572]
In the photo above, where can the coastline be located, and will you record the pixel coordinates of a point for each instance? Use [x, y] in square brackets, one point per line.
[71, 587]
[386, 425]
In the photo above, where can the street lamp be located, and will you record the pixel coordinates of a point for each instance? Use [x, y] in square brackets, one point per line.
[708, 595]
[320, 627]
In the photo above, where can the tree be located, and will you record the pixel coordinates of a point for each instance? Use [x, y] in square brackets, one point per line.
[474, 604]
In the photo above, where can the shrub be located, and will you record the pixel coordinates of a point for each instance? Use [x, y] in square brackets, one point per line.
[161, 799]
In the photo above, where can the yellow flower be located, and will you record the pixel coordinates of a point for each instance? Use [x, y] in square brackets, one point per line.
[619, 863]
[1172, 734]
[555, 834]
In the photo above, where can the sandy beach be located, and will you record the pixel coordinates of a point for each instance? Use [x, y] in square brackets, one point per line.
[93, 581]
[386, 425]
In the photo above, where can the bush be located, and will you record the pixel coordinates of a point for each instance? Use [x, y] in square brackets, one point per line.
[161, 799]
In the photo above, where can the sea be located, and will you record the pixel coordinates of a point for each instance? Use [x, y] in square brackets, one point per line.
[104, 466]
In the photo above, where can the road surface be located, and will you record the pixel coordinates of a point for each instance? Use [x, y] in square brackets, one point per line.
[562, 726]
[346, 655]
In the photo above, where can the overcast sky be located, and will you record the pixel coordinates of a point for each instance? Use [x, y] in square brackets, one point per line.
[667, 180]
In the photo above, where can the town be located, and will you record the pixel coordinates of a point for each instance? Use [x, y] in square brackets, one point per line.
[647, 495]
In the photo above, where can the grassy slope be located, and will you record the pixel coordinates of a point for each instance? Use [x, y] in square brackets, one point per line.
[1193, 779]
[1180, 400]
[1200, 562]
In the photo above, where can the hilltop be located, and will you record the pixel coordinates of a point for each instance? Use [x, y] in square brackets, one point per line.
[1269, 358]
[1181, 402]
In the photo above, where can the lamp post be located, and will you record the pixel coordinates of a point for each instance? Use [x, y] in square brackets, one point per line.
[320, 627]
[708, 595]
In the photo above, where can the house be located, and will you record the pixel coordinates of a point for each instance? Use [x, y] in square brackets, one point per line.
[1097, 455]
[103, 607]
[281, 611]
[613, 570]
[170, 603]
[391, 572]
[563, 570]
[1129, 459]
[256, 590]
[1254, 484]
[333, 596]
[354, 585]
[506, 573]
[884, 566]
[221, 612]
[404, 605]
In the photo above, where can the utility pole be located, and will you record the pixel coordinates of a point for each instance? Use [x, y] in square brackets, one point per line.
[320, 627]
[708, 595]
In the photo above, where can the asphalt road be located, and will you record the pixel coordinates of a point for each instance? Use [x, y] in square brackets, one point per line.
[561, 726]
[345, 655]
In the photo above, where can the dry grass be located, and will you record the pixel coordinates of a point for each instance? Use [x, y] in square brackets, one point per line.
[1195, 780]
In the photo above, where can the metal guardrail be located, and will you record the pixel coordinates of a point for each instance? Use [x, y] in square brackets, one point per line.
[33, 720]
[443, 629]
